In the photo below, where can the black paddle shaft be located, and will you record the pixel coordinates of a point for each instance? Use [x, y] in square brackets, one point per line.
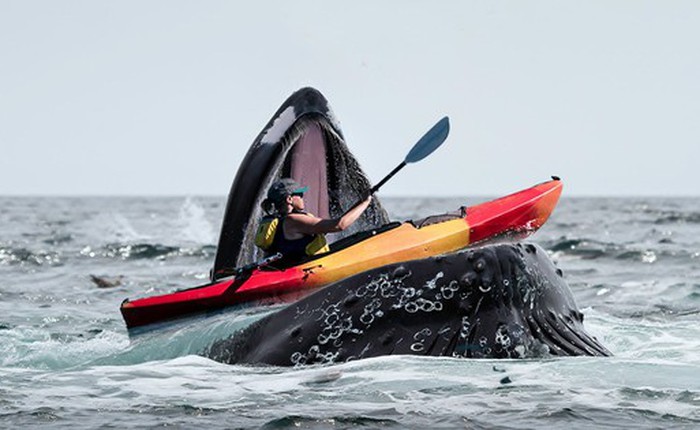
[424, 147]
[389, 176]
[376, 187]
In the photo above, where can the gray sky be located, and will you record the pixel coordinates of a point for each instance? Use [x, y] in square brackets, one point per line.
[165, 97]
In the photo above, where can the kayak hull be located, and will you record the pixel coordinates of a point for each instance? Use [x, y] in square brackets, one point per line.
[514, 216]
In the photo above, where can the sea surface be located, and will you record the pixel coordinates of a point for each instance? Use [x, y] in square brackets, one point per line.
[66, 360]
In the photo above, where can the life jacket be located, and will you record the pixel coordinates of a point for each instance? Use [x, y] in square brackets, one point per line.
[270, 238]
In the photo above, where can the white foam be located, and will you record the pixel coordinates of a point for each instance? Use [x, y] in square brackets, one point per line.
[280, 125]
[119, 228]
[193, 223]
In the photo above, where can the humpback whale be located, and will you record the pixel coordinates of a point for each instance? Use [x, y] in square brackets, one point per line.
[496, 301]
[302, 141]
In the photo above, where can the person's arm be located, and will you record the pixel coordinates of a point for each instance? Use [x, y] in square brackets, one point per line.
[306, 224]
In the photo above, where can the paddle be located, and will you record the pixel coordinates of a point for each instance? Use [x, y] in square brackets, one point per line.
[237, 272]
[424, 147]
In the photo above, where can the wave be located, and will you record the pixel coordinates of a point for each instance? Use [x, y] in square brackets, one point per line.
[22, 256]
[184, 337]
[583, 248]
[663, 217]
[392, 392]
[661, 312]
[58, 239]
[37, 348]
[591, 249]
[147, 251]
[139, 250]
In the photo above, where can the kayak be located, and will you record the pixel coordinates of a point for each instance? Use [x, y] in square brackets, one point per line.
[511, 217]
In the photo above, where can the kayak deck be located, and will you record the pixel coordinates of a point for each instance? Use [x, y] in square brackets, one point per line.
[514, 216]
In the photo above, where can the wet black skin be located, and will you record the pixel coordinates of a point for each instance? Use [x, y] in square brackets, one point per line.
[497, 301]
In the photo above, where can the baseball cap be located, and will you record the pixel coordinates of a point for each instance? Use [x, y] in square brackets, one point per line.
[283, 188]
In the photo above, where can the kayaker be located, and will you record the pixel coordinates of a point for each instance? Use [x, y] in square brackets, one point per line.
[293, 232]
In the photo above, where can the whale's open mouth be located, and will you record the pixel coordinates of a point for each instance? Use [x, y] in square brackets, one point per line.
[302, 141]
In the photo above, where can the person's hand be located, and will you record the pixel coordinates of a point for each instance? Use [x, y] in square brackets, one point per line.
[366, 196]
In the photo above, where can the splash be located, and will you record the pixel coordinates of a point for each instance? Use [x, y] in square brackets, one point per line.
[193, 223]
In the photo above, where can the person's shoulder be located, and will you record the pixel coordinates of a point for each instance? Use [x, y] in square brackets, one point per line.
[300, 216]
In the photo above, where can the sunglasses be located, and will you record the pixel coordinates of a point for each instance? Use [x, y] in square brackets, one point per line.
[298, 194]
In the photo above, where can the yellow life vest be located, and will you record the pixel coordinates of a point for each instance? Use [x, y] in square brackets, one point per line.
[266, 232]
[265, 236]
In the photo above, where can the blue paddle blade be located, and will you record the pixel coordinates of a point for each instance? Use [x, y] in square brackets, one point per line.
[430, 141]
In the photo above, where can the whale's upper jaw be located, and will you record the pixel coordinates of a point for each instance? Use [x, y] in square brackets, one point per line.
[302, 141]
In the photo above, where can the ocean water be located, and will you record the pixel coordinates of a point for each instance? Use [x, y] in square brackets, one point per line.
[66, 360]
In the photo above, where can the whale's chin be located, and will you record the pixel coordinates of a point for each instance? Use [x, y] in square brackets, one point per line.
[497, 301]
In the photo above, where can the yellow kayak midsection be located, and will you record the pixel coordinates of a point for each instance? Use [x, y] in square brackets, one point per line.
[403, 243]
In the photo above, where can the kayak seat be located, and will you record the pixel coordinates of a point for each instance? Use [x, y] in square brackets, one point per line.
[436, 219]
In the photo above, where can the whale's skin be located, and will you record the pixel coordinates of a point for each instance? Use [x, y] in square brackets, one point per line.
[286, 147]
[497, 301]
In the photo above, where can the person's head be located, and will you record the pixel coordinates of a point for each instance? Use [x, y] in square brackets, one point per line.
[285, 195]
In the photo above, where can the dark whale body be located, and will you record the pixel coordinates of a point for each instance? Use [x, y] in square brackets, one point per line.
[498, 301]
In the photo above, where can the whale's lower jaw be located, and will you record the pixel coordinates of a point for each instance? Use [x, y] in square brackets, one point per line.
[499, 301]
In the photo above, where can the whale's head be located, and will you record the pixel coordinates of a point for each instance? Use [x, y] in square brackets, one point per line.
[496, 301]
[302, 141]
